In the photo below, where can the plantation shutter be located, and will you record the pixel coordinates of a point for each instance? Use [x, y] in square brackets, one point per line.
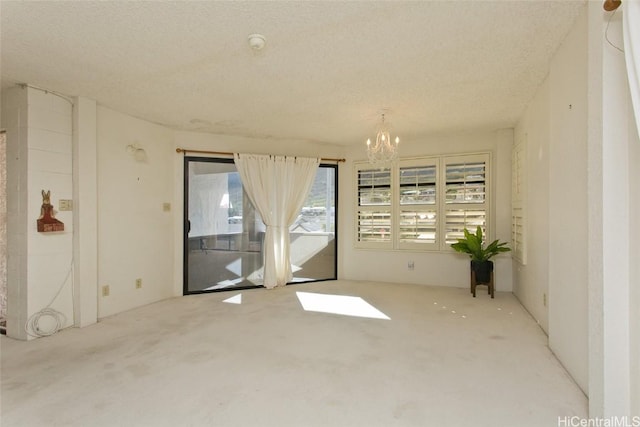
[465, 195]
[374, 207]
[518, 224]
[418, 210]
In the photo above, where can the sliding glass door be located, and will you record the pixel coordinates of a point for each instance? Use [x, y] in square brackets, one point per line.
[224, 234]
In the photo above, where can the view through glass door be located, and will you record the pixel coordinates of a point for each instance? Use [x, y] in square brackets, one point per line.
[224, 234]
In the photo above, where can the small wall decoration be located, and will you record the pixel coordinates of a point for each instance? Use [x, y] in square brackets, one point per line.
[47, 222]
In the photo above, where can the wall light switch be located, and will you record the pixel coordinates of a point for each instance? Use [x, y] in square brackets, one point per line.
[166, 207]
[65, 205]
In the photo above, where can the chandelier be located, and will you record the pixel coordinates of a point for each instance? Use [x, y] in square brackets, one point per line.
[383, 151]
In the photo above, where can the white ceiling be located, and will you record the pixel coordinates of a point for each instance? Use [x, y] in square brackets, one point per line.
[325, 75]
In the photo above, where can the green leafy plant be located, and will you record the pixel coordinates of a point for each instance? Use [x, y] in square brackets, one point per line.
[472, 245]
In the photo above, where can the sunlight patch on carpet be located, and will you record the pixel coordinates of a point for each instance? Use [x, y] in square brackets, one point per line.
[236, 299]
[339, 304]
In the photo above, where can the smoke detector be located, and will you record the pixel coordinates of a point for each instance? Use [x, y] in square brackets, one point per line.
[256, 41]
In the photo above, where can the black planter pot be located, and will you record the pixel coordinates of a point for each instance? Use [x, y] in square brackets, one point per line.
[483, 270]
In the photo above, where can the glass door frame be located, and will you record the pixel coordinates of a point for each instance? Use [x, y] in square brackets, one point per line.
[186, 227]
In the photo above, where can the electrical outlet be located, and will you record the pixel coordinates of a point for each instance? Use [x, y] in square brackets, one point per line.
[105, 291]
[410, 265]
[166, 207]
[138, 283]
[544, 299]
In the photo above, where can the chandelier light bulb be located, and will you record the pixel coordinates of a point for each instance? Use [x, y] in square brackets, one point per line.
[382, 152]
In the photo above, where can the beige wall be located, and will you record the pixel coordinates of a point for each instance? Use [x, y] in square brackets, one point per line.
[554, 129]
[634, 271]
[135, 234]
[619, 355]
[568, 204]
[85, 219]
[430, 268]
[531, 280]
[39, 157]
[442, 269]
[583, 149]
[3, 225]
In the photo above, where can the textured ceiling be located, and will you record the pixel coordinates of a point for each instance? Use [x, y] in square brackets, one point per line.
[326, 73]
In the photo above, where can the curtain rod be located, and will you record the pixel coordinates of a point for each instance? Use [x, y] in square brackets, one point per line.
[225, 153]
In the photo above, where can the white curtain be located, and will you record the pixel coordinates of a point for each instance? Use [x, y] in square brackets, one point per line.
[206, 194]
[631, 30]
[277, 187]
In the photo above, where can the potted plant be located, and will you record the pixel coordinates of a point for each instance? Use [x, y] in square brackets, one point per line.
[481, 264]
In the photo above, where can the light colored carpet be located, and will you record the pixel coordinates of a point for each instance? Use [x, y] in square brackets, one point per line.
[443, 359]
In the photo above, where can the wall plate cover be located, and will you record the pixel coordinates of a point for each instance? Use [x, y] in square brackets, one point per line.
[65, 205]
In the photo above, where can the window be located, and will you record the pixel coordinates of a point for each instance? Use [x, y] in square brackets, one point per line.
[518, 228]
[421, 204]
